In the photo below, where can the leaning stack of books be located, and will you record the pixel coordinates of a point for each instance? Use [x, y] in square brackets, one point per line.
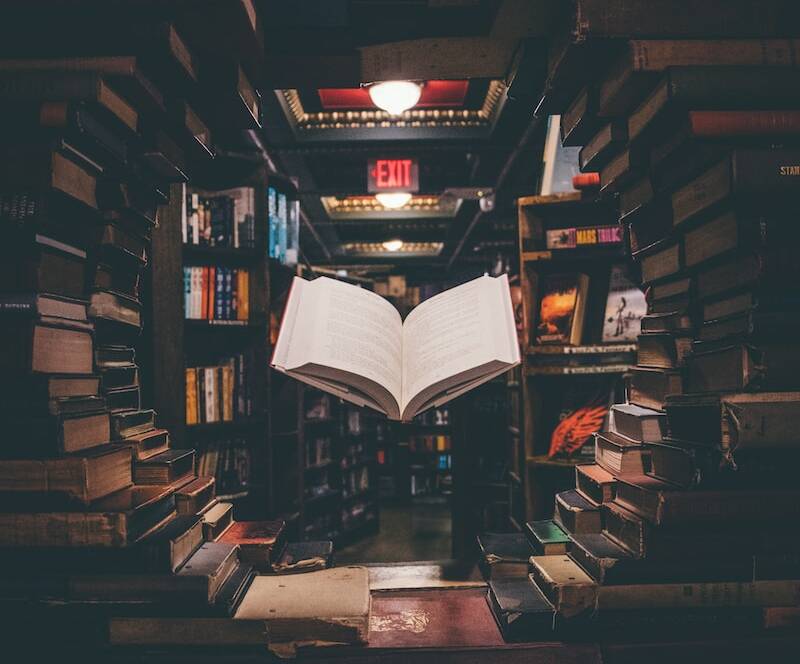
[675, 525]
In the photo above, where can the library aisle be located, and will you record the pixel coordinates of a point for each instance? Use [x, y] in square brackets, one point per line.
[363, 331]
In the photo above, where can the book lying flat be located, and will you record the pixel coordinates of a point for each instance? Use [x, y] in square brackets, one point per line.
[351, 342]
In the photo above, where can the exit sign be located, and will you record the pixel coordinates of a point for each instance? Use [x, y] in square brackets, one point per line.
[392, 175]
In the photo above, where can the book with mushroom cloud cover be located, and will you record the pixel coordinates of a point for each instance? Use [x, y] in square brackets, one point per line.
[353, 343]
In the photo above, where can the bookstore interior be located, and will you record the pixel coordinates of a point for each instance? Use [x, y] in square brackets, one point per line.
[400, 330]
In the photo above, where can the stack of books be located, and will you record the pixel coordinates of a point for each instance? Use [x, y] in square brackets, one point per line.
[100, 518]
[682, 521]
[93, 492]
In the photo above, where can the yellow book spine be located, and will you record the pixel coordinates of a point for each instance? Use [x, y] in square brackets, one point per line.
[191, 396]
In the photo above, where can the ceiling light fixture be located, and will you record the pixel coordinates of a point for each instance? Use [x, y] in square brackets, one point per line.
[393, 200]
[392, 245]
[395, 97]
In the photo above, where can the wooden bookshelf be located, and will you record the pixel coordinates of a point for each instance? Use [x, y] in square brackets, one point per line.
[181, 342]
[328, 503]
[555, 376]
[343, 512]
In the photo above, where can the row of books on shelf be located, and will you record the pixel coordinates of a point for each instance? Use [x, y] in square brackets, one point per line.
[358, 514]
[355, 481]
[318, 451]
[216, 293]
[284, 227]
[426, 483]
[220, 393]
[435, 417]
[561, 317]
[224, 218]
[429, 443]
[228, 462]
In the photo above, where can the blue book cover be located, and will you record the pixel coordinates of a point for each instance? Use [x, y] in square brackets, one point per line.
[187, 291]
[219, 294]
[228, 293]
[282, 227]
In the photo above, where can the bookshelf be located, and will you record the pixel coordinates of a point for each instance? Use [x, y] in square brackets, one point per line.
[216, 239]
[325, 451]
[556, 379]
[325, 459]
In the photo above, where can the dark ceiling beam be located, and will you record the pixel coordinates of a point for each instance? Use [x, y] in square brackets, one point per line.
[376, 147]
[414, 59]
[313, 231]
[519, 150]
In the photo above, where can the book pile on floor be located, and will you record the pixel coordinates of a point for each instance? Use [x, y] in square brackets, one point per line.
[686, 524]
[102, 521]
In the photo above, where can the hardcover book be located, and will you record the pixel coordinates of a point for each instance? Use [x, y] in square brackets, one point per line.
[595, 483]
[619, 455]
[738, 421]
[352, 343]
[625, 307]
[339, 612]
[116, 520]
[575, 514]
[521, 610]
[84, 478]
[504, 555]
[562, 303]
[637, 423]
[566, 586]
[547, 537]
[259, 542]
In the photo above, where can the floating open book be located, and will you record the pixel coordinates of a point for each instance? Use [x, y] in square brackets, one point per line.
[351, 342]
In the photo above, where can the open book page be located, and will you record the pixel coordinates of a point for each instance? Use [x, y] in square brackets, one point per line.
[457, 340]
[345, 339]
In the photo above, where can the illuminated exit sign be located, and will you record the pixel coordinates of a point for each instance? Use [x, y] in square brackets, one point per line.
[392, 175]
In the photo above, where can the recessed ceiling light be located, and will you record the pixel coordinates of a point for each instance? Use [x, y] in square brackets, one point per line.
[393, 245]
[395, 97]
[393, 200]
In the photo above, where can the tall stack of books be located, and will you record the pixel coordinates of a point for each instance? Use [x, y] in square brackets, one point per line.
[97, 508]
[683, 519]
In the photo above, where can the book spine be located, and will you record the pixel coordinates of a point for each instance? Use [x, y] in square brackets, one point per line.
[246, 296]
[723, 124]
[219, 293]
[210, 389]
[191, 396]
[690, 595]
[228, 299]
[201, 395]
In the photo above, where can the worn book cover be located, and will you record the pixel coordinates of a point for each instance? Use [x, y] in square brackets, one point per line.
[547, 537]
[504, 555]
[520, 609]
[625, 306]
[339, 612]
[562, 303]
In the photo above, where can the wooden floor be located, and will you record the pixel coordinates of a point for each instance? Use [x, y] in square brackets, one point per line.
[407, 533]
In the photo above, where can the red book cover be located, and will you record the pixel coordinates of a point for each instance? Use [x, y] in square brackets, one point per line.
[721, 124]
[434, 618]
[211, 288]
[204, 295]
[253, 532]
[586, 181]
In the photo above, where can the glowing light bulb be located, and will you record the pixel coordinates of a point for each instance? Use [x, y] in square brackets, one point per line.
[393, 200]
[395, 97]
[393, 245]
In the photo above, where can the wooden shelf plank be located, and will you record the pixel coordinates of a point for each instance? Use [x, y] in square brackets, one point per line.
[587, 370]
[589, 349]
